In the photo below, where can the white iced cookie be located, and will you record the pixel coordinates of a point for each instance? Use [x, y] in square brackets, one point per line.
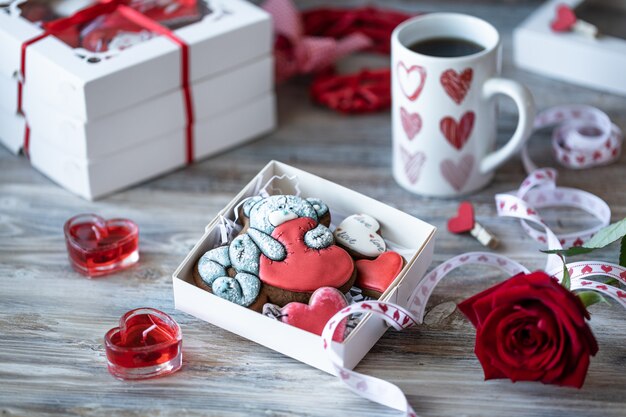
[359, 234]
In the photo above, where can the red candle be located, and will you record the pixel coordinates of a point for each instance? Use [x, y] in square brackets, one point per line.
[147, 344]
[96, 246]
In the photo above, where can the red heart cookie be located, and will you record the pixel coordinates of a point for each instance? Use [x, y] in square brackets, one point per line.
[324, 303]
[305, 269]
[464, 220]
[375, 276]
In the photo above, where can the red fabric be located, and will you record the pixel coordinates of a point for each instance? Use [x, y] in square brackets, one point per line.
[59, 26]
[310, 43]
[530, 328]
[363, 92]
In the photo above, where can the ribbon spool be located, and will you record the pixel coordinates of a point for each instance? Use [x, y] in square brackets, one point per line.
[584, 137]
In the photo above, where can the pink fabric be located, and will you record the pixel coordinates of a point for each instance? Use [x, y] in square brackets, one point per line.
[301, 54]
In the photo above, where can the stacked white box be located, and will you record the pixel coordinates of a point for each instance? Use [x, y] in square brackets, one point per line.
[98, 127]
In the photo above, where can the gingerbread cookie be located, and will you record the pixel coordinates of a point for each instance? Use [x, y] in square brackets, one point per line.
[283, 254]
[325, 302]
[358, 234]
[375, 276]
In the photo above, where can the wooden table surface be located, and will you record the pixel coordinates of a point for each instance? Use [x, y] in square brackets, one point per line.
[52, 320]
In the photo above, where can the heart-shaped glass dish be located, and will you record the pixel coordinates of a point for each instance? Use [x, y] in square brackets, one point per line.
[96, 246]
[147, 344]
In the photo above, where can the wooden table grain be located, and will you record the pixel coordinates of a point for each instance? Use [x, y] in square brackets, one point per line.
[52, 320]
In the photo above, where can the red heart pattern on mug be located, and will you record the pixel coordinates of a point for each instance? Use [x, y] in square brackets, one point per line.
[411, 123]
[324, 303]
[413, 163]
[411, 80]
[457, 173]
[457, 85]
[458, 134]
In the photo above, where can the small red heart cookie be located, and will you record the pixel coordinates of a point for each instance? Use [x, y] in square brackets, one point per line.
[374, 277]
[324, 303]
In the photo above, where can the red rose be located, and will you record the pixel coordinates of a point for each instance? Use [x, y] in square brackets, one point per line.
[530, 328]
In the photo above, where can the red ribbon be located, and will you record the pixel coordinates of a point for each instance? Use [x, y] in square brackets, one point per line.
[106, 7]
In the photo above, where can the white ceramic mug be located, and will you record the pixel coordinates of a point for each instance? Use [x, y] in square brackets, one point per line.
[444, 116]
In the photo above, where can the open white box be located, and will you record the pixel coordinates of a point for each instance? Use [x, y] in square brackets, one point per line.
[92, 179]
[411, 237]
[236, 32]
[597, 63]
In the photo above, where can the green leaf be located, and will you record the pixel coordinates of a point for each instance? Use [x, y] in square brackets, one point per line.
[608, 235]
[590, 298]
[576, 250]
[566, 282]
[612, 282]
[603, 238]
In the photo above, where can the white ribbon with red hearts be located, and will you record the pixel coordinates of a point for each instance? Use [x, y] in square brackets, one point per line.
[585, 137]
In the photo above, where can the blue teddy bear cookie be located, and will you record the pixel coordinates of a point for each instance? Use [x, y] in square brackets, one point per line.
[284, 253]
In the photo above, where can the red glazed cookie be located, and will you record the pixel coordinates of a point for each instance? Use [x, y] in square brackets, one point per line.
[325, 302]
[304, 270]
[284, 252]
[374, 277]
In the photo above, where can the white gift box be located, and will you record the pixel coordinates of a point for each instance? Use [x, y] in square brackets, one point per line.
[411, 237]
[596, 63]
[95, 178]
[234, 33]
[95, 139]
[12, 129]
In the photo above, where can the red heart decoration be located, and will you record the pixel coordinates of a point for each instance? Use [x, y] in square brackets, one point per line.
[564, 19]
[145, 338]
[378, 274]
[97, 246]
[458, 134]
[621, 294]
[586, 269]
[607, 268]
[464, 220]
[411, 123]
[305, 269]
[324, 303]
[456, 85]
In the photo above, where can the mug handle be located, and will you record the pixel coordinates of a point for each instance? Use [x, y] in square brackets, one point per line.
[526, 108]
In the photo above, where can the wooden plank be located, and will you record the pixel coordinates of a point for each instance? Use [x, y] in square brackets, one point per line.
[52, 320]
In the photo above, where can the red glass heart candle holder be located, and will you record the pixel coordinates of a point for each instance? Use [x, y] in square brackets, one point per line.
[147, 344]
[96, 246]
